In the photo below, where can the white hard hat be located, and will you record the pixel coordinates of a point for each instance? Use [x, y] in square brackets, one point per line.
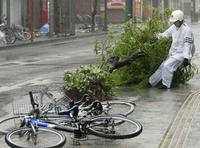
[176, 15]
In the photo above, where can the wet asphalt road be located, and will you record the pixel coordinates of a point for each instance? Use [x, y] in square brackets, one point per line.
[155, 108]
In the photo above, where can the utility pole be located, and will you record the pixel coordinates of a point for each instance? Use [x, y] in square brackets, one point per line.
[72, 17]
[105, 24]
[193, 11]
[31, 18]
[66, 16]
[8, 12]
[69, 19]
[1, 3]
[51, 17]
[128, 9]
[94, 12]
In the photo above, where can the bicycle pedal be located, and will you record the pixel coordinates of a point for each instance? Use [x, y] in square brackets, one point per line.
[82, 137]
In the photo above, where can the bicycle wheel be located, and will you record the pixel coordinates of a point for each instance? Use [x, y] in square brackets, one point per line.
[104, 126]
[10, 123]
[117, 107]
[24, 36]
[44, 138]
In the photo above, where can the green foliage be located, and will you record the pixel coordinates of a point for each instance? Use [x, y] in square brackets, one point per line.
[137, 36]
[184, 74]
[158, 14]
[141, 36]
[167, 13]
[90, 80]
[122, 41]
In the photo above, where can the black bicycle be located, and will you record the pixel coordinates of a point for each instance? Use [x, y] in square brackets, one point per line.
[20, 32]
[50, 104]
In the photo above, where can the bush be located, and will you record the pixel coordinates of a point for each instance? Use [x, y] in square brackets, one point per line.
[90, 80]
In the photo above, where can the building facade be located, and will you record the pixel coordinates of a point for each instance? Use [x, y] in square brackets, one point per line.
[64, 12]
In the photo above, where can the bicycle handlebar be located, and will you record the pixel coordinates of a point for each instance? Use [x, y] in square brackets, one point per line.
[34, 105]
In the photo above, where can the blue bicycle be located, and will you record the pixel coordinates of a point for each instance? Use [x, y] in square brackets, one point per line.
[35, 134]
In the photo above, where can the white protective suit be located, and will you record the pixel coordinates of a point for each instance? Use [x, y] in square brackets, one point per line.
[182, 47]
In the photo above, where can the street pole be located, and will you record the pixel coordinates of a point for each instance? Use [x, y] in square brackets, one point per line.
[1, 7]
[66, 16]
[94, 12]
[72, 17]
[8, 12]
[31, 18]
[193, 3]
[105, 24]
[141, 9]
[51, 17]
[128, 10]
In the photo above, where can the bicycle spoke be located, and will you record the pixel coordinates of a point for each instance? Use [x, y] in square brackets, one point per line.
[42, 138]
[107, 126]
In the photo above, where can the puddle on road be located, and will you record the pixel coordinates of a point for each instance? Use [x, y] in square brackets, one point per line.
[13, 63]
[31, 60]
[33, 82]
[23, 62]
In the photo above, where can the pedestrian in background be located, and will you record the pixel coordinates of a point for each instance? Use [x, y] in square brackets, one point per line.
[181, 50]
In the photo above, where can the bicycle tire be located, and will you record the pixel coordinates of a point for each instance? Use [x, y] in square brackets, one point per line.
[117, 107]
[104, 126]
[9, 123]
[45, 136]
[23, 36]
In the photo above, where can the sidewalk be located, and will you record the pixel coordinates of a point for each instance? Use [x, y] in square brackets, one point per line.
[184, 130]
[46, 39]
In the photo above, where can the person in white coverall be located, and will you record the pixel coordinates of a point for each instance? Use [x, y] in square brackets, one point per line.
[181, 50]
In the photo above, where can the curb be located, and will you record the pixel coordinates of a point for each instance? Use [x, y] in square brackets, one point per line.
[176, 135]
[50, 40]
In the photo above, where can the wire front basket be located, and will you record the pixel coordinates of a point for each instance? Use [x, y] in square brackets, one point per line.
[22, 106]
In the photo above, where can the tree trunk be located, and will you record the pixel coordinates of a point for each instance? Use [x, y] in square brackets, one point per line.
[126, 61]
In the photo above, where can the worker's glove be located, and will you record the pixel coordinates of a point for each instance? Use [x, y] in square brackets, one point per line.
[186, 62]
